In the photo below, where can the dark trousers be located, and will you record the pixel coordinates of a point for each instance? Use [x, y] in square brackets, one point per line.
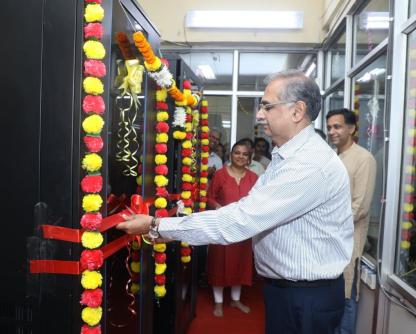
[303, 309]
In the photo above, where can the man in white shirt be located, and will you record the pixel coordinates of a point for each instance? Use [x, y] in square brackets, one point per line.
[214, 161]
[298, 214]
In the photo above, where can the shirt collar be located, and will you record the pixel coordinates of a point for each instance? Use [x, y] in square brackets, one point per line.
[290, 147]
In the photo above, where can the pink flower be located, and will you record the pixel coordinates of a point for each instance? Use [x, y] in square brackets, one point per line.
[93, 30]
[93, 104]
[95, 68]
[92, 298]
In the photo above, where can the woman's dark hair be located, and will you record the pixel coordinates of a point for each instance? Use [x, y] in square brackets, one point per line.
[243, 142]
[261, 139]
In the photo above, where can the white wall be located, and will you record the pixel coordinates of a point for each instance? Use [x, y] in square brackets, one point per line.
[169, 18]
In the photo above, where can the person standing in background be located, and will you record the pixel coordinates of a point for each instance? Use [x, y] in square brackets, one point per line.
[361, 168]
[262, 151]
[214, 161]
[253, 165]
[230, 265]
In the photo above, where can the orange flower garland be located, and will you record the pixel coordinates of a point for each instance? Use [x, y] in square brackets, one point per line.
[204, 137]
[91, 184]
[124, 46]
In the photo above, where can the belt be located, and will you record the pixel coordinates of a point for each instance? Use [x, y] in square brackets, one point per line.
[284, 283]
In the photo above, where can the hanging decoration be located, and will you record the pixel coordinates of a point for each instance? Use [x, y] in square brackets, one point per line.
[204, 138]
[93, 106]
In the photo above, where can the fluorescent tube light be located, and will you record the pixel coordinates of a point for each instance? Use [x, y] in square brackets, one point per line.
[374, 20]
[310, 69]
[244, 19]
[205, 72]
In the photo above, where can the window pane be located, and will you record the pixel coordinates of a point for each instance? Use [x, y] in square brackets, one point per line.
[406, 249]
[219, 111]
[368, 104]
[336, 56]
[215, 69]
[255, 67]
[412, 7]
[246, 118]
[371, 27]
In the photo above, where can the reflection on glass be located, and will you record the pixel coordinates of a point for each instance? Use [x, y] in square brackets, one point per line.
[371, 27]
[255, 67]
[219, 110]
[214, 69]
[336, 56]
[369, 101]
[406, 248]
[412, 7]
[246, 118]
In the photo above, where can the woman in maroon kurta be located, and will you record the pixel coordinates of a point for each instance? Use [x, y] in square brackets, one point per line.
[230, 265]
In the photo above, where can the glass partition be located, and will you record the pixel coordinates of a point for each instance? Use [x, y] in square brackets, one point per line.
[336, 58]
[219, 108]
[368, 103]
[246, 117]
[406, 247]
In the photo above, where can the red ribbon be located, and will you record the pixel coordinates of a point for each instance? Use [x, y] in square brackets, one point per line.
[54, 267]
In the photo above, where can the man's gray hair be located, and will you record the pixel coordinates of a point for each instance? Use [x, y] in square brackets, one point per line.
[299, 87]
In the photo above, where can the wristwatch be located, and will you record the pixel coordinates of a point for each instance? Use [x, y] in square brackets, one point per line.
[154, 230]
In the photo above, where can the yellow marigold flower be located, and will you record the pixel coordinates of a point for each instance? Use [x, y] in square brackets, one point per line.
[404, 244]
[187, 211]
[135, 288]
[204, 128]
[91, 279]
[186, 178]
[155, 66]
[92, 202]
[92, 162]
[204, 154]
[185, 259]
[135, 266]
[159, 247]
[135, 245]
[161, 180]
[407, 225]
[161, 95]
[160, 159]
[409, 188]
[187, 161]
[160, 291]
[93, 124]
[180, 135]
[411, 132]
[92, 239]
[92, 315]
[407, 207]
[203, 192]
[94, 13]
[186, 194]
[160, 268]
[204, 116]
[202, 205]
[188, 127]
[162, 138]
[182, 103]
[184, 244]
[93, 86]
[203, 180]
[161, 203]
[204, 168]
[204, 103]
[187, 144]
[162, 116]
[94, 49]
[139, 180]
[204, 141]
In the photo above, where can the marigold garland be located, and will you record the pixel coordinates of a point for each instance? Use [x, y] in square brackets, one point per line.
[93, 106]
[204, 137]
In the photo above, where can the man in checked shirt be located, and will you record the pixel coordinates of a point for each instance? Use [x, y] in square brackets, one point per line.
[298, 214]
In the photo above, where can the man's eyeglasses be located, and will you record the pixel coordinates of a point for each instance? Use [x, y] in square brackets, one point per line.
[269, 106]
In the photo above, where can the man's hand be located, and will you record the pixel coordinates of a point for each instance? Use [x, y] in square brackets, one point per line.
[136, 224]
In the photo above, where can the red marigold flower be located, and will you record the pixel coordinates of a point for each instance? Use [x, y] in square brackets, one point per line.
[165, 61]
[205, 148]
[161, 170]
[92, 103]
[187, 84]
[185, 251]
[203, 186]
[161, 148]
[161, 106]
[162, 127]
[160, 213]
[93, 1]
[186, 170]
[203, 110]
[136, 256]
[189, 135]
[187, 202]
[186, 152]
[160, 257]
[160, 279]
[204, 135]
[203, 199]
[93, 143]
[189, 118]
[161, 191]
[406, 234]
[186, 186]
[204, 122]
[92, 298]
[204, 174]
[95, 68]
[204, 161]
[85, 329]
[91, 221]
[135, 277]
[201, 209]
[91, 259]
[92, 183]
[93, 30]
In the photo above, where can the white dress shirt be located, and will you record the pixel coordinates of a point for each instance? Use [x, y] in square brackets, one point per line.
[214, 161]
[298, 213]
